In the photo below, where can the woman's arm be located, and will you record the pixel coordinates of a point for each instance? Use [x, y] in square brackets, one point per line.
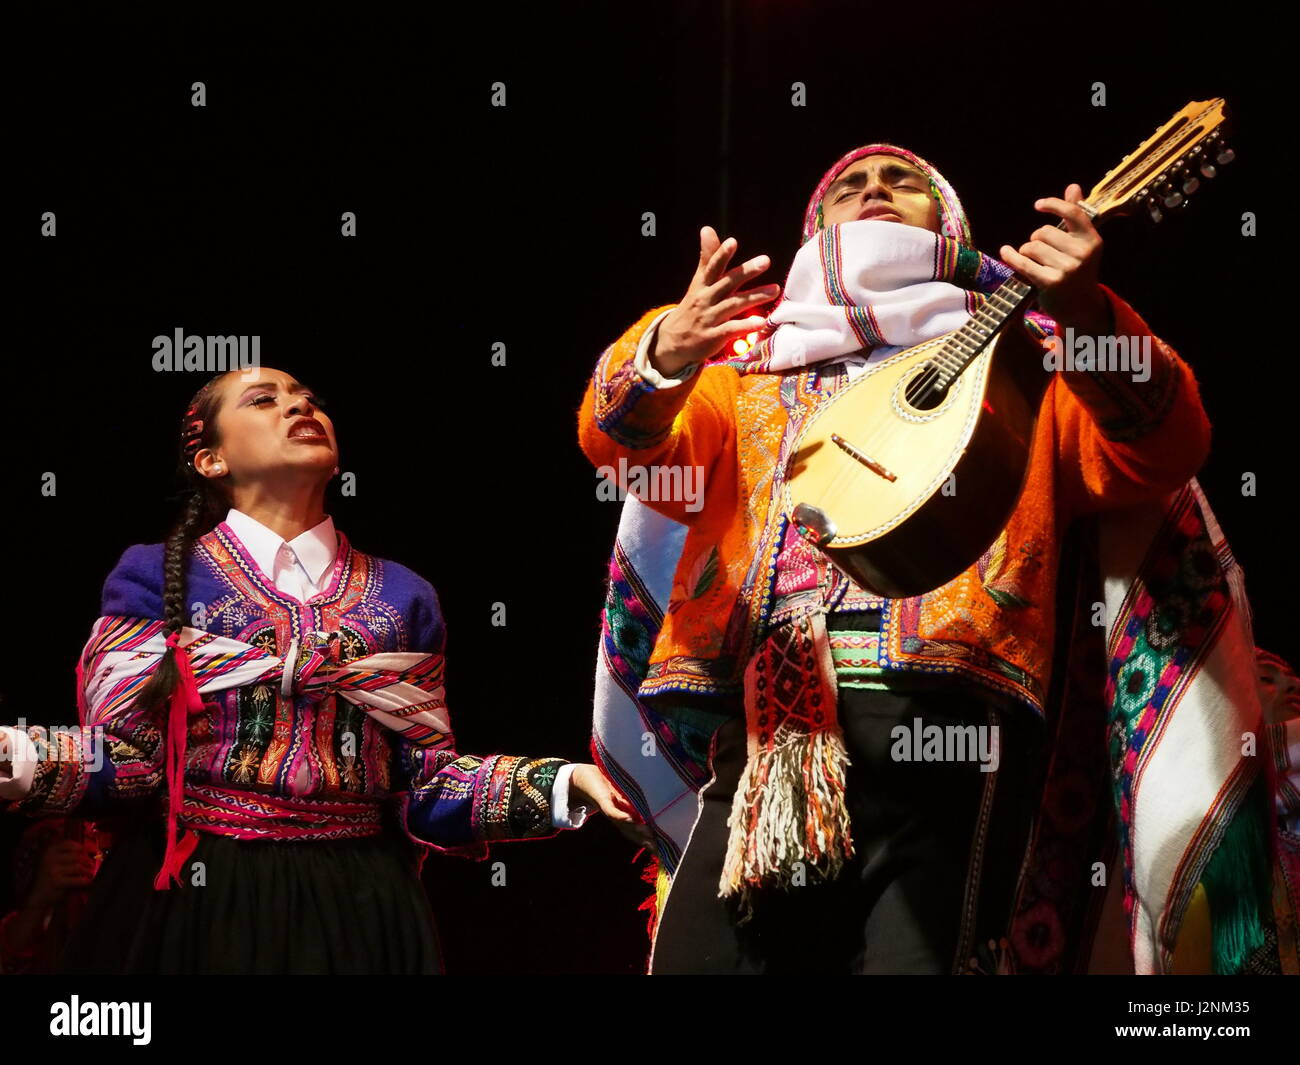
[60, 769]
[461, 802]
[113, 755]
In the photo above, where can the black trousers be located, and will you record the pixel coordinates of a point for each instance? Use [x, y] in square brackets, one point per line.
[938, 850]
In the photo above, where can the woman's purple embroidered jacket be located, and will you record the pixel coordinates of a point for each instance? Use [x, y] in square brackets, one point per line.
[293, 757]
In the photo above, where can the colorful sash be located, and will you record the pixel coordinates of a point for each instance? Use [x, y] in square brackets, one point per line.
[403, 691]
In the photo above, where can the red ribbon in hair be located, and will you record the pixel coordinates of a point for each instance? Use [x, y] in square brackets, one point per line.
[183, 701]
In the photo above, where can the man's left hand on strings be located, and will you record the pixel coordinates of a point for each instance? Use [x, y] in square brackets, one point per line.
[1063, 265]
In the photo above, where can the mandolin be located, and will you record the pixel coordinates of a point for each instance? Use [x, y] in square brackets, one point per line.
[871, 478]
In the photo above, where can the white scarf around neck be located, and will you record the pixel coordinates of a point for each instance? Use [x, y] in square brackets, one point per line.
[862, 285]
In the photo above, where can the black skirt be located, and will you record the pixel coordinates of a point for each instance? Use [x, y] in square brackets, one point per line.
[275, 907]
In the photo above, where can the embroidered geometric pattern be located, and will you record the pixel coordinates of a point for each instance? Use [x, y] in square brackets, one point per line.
[1165, 624]
[278, 751]
[992, 627]
[616, 397]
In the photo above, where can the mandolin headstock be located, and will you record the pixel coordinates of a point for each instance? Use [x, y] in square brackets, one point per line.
[1167, 169]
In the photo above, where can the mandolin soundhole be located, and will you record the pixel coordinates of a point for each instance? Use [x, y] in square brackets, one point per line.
[926, 389]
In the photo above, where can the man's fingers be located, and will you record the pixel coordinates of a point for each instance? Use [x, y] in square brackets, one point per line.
[712, 272]
[708, 245]
[1035, 273]
[739, 275]
[717, 263]
[1073, 244]
[737, 327]
[742, 301]
[1026, 268]
[1076, 218]
[1045, 255]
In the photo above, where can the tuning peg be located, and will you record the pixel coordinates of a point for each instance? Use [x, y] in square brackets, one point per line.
[1227, 155]
[1154, 208]
[1173, 199]
[1208, 170]
[1186, 181]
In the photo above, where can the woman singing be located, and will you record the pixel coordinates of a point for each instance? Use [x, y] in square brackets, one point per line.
[282, 692]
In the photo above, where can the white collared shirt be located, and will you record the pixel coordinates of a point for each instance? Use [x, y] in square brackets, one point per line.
[300, 568]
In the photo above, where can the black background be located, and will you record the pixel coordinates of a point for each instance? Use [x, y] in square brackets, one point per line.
[523, 225]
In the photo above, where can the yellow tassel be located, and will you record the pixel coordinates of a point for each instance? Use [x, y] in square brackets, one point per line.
[662, 883]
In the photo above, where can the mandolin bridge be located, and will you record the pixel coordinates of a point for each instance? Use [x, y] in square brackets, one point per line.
[862, 457]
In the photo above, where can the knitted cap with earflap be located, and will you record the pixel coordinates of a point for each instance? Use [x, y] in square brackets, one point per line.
[952, 217]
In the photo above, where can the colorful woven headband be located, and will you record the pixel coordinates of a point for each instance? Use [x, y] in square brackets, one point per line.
[952, 217]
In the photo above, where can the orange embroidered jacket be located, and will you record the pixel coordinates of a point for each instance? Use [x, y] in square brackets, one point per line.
[1102, 440]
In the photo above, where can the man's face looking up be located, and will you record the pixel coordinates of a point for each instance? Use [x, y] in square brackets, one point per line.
[883, 187]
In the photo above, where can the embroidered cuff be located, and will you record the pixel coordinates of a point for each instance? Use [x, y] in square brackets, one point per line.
[53, 768]
[627, 406]
[512, 797]
[641, 360]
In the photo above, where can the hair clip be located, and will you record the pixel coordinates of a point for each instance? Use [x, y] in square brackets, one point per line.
[192, 436]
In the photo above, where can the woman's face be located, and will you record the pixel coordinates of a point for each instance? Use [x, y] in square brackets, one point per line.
[1279, 689]
[268, 428]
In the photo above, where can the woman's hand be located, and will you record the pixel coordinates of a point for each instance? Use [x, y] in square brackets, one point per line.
[588, 783]
[704, 321]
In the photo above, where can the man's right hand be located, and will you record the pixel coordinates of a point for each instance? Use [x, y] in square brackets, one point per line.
[704, 321]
